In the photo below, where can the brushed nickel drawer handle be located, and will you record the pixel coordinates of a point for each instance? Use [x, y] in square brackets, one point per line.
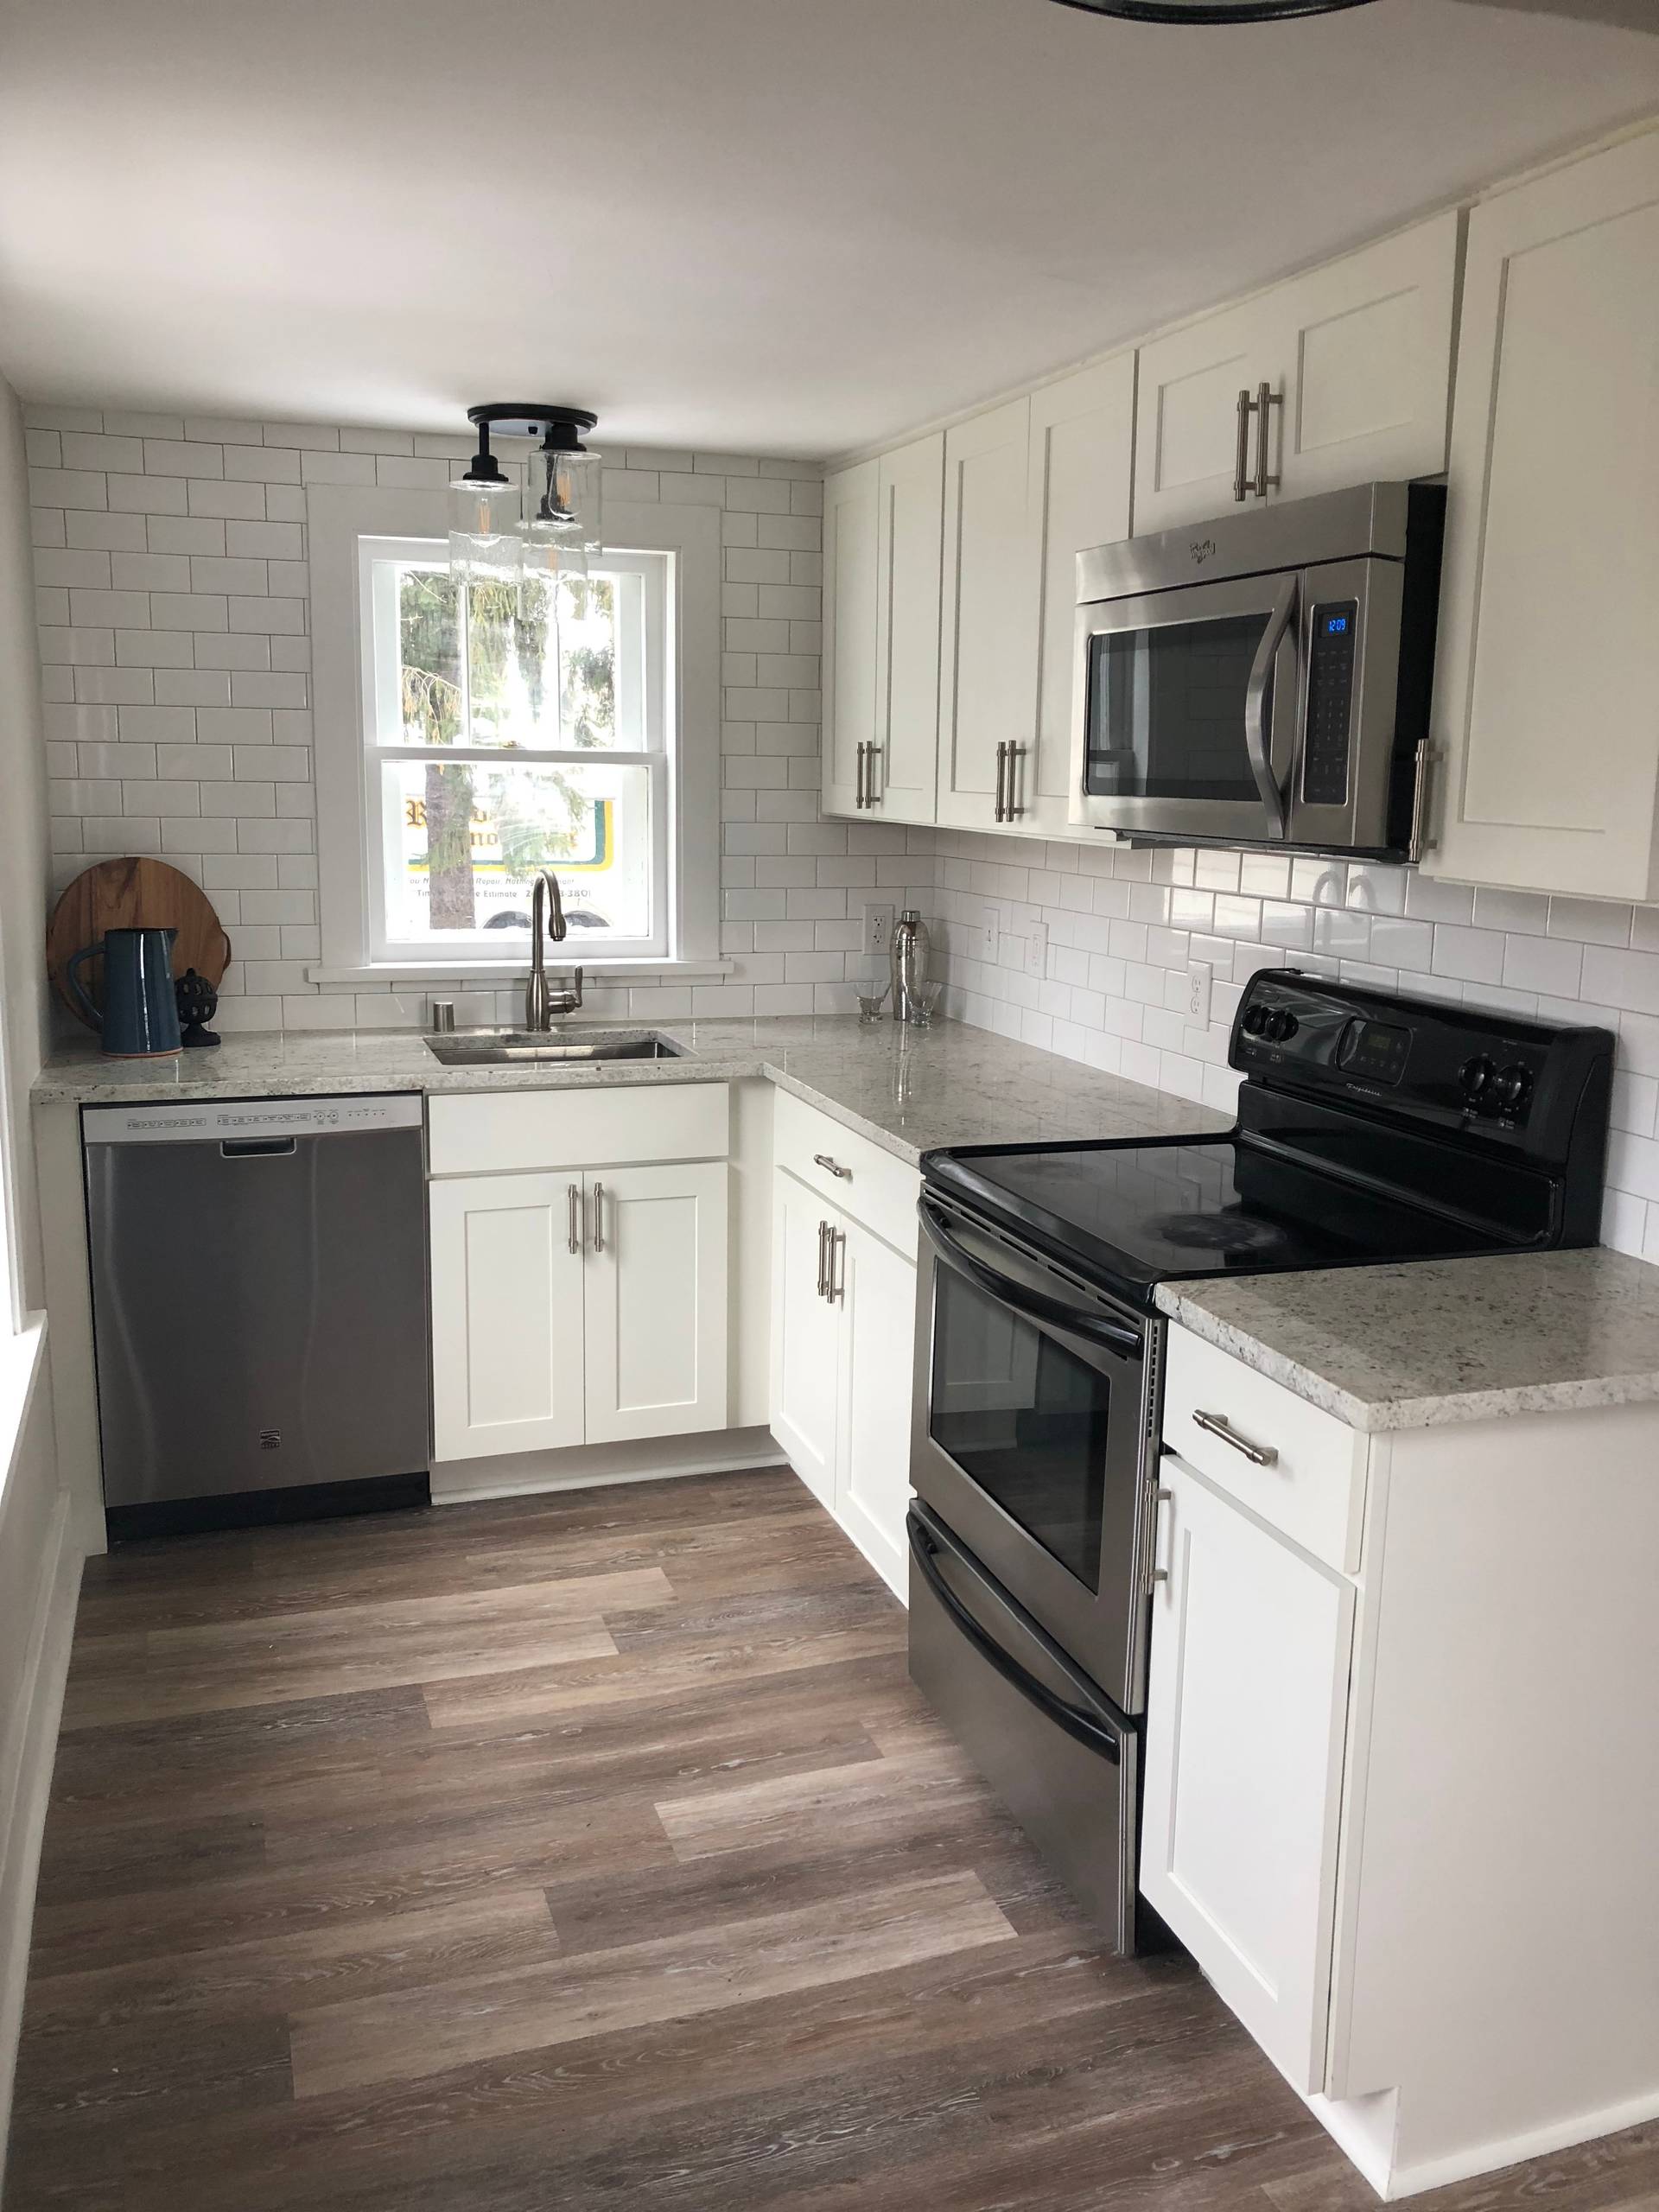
[599, 1217]
[1259, 1455]
[834, 1167]
[573, 1232]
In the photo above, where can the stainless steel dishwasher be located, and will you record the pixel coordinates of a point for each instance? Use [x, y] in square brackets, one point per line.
[259, 1308]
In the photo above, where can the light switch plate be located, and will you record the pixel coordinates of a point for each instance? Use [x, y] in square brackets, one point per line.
[988, 935]
[878, 931]
[1037, 949]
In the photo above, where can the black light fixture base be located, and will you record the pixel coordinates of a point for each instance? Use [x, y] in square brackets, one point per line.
[1211, 11]
[550, 421]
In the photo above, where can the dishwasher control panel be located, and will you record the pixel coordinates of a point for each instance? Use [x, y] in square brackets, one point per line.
[228, 1120]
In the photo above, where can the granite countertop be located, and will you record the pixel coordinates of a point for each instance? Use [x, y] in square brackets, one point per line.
[1440, 1341]
[907, 1089]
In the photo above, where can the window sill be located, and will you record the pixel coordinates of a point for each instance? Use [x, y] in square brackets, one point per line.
[559, 961]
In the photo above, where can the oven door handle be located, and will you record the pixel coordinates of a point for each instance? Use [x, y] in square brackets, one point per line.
[925, 1548]
[1118, 1336]
[1257, 739]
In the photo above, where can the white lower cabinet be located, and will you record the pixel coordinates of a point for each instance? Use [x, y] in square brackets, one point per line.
[585, 1303]
[843, 1308]
[507, 1370]
[1246, 1706]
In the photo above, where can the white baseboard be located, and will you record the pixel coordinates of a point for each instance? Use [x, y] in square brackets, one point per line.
[1512, 2150]
[40, 1707]
[595, 1467]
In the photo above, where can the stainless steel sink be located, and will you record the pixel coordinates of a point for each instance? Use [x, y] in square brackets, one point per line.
[490, 1048]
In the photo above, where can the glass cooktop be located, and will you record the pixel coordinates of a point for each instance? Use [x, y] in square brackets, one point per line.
[1134, 1215]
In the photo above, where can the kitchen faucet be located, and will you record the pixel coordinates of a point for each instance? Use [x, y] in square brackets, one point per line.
[541, 1004]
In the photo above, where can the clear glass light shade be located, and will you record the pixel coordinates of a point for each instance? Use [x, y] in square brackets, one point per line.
[484, 535]
[562, 500]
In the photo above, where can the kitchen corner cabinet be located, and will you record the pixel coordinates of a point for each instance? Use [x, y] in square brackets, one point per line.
[1351, 1818]
[1547, 697]
[883, 522]
[586, 1302]
[1357, 356]
[844, 1308]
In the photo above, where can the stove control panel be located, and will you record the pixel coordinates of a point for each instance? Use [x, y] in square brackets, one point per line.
[1489, 1075]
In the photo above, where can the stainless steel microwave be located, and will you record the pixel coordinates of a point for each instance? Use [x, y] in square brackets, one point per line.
[1263, 679]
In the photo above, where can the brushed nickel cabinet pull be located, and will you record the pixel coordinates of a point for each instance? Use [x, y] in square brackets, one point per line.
[1159, 1499]
[1217, 1425]
[833, 1167]
[574, 1227]
[1001, 766]
[824, 1231]
[599, 1217]
[1242, 452]
[1011, 809]
[1266, 400]
[837, 1280]
[858, 789]
[871, 797]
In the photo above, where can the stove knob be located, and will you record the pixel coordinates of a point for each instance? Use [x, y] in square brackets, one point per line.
[1476, 1078]
[1255, 1019]
[1514, 1087]
[1288, 1024]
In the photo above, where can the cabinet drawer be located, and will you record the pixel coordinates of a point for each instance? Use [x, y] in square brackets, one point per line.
[500, 1132]
[1314, 1489]
[861, 1181]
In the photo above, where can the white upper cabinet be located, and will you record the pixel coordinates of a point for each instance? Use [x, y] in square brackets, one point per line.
[1357, 358]
[989, 646]
[850, 601]
[909, 548]
[1547, 690]
[883, 524]
[1078, 485]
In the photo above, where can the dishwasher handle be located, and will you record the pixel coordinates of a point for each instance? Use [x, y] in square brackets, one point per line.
[257, 1147]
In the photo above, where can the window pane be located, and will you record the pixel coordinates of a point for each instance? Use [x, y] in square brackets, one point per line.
[464, 839]
[554, 663]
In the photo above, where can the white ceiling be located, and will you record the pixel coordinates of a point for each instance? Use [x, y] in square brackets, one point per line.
[774, 225]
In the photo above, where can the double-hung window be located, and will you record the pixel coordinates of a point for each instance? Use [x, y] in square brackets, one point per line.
[509, 728]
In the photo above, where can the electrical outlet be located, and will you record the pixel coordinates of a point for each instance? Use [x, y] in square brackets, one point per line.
[878, 931]
[1199, 976]
[1037, 949]
[988, 935]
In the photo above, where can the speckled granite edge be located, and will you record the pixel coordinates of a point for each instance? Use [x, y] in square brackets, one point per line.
[1442, 1342]
[906, 1090]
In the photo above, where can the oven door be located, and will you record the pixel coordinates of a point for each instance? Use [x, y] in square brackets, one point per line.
[1187, 704]
[1033, 1401]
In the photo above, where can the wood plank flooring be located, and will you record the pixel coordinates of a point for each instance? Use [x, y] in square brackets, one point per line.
[596, 1852]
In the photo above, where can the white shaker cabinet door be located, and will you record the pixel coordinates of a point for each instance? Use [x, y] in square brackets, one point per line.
[805, 1335]
[1246, 1721]
[988, 637]
[850, 645]
[1357, 355]
[507, 1368]
[1079, 480]
[656, 1300]
[900, 784]
[1547, 686]
[876, 1290]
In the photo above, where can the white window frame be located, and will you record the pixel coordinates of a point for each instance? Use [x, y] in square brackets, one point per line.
[340, 518]
[381, 675]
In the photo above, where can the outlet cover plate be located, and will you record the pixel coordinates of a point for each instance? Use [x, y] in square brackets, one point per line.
[988, 935]
[1198, 975]
[878, 930]
[1037, 949]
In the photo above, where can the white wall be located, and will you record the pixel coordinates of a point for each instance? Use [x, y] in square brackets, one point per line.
[175, 617]
[35, 1596]
[1123, 924]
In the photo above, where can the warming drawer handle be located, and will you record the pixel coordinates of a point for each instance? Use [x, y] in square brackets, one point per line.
[925, 1550]
[1116, 1334]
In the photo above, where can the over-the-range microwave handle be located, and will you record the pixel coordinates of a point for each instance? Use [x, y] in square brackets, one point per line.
[1258, 739]
[1118, 1336]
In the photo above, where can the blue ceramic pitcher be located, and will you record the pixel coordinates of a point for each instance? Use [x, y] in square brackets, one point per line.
[139, 1018]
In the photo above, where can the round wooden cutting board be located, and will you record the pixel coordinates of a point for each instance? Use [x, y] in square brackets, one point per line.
[135, 894]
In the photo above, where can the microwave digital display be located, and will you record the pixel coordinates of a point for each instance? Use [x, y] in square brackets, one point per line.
[1329, 703]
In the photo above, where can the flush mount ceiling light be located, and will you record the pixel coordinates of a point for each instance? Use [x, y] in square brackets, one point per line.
[1211, 11]
[498, 531]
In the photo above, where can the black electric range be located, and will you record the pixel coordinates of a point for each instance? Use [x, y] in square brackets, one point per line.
[1370, 1128]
